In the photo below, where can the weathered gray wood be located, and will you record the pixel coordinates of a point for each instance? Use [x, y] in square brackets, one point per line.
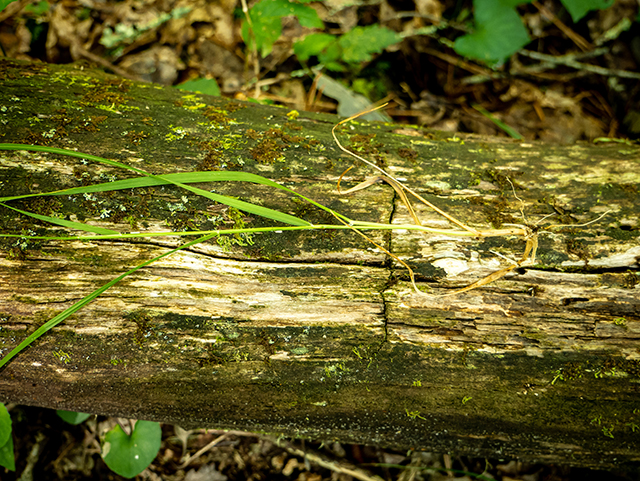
[318, 334]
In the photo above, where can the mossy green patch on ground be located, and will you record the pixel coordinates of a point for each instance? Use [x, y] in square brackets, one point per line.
[109, 94]
[267, 151]
[622, 234]
[217, 116]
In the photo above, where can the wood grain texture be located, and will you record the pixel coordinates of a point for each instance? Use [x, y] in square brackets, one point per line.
[318, 334]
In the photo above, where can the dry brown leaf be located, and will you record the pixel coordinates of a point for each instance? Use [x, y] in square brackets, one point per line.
[159, 64]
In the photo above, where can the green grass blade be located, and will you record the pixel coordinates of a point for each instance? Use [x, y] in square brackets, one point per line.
[248, 207]
[180, 178]
[70, 153]
[50, 324]
[511, 132]
[238, 204]
[64, 223]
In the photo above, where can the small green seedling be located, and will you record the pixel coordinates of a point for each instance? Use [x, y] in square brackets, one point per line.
[559, 376]
[620, 321]
[414, 414]
[130, 454]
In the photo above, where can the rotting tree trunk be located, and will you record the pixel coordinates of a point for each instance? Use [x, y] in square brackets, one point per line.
[317, 334]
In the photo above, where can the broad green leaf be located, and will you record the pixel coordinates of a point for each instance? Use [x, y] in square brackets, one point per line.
[207, 86]
[312, 45]
[127, 455]
[307, 16]
[360, 43]
[484, 10]
[499, 32]
[7, 458]
[266, 31]
[579, 8]
[266, 17]
[331, 57]
[5, 424]
[38, 9]
[4, 3]
[72, 417]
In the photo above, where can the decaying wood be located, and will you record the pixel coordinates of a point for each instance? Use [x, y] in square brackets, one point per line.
[318, 334]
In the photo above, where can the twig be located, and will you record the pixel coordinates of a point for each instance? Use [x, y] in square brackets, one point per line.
[81, 51]
[577, 39]
[322, 461]
[458, 62]
[256, 63]
[200, 452]
[570, 61]
[32, 458]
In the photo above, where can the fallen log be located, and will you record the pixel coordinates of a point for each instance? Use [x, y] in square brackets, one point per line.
[318, 333]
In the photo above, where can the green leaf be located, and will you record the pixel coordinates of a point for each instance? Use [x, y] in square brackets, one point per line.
[72, 417]
[38, 9]
[499, 32]
[5, 424]
[266, 31]
[359, 43]
[7, 458]
[266, 17]
[312, 45]
[207, 86]
[4, 3]
[307, 16]
[149, 179]
[127, 455]
[331, 57]
[579, 8]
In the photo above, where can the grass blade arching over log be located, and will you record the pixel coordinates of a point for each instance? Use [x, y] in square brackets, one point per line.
[69, 224]
[51, 323]
[164, 180]
[147, 180]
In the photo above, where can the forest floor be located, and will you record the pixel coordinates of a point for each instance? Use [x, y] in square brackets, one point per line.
[572, 82]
